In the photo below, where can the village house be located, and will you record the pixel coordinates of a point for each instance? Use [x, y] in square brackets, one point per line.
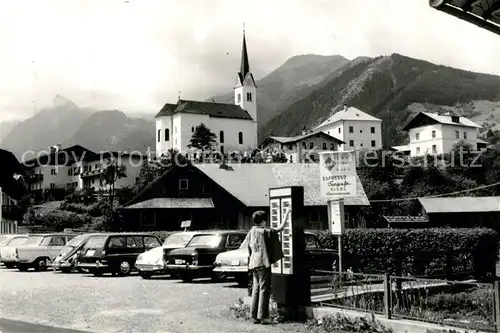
[235, 125]
[301, 148]
[225, 196]
[356, 128]
[431, 133]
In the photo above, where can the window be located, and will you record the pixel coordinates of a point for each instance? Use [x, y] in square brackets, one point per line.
[205, 189]
[151, 242]
[312, 242]
[192, 129]
[249, 97]
[52, 185]
[418, 150]
[372, 130]
[360, 131]
[222, 149]
[159, 135]
[433, 134]
[332, 146]
[465, 135]
[167, 134]
[240, 138]
[417, 136]
[351, 143]
[340, 129]
[434, 148]
[351, 129]
[53, 172]
[148, 218]
[361, 145]
[183, 184]
[239, 98]
[175, 129]
[311, 145]
[116, 242]
[57, 241]
[457, 134]
[70, 172]
[328, 132]
[234, 241]
[304, 144]
[373, 143]
[324, 146]
[221, 136]
[135, 242]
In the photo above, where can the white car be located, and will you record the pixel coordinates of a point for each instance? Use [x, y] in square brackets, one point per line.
[8, 244]
[151, 262]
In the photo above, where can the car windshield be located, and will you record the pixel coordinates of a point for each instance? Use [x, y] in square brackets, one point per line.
[77, 241]
[205, 240]
[18, 241]
[177, 240]
[4, 240]
[34, 240]
[96, 242]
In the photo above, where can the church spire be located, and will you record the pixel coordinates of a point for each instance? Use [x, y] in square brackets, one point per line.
[245, 66]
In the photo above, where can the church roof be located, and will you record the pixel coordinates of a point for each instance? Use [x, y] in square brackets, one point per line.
[245, 64]
[348, 113]
[212, 109]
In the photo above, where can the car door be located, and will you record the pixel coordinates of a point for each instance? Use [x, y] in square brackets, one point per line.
[55, 246]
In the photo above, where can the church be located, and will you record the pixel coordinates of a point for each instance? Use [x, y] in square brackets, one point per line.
[235, 125]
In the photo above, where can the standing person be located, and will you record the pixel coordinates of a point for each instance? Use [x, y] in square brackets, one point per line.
[264, 249]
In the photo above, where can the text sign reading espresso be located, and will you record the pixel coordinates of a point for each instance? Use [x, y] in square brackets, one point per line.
[337, 175]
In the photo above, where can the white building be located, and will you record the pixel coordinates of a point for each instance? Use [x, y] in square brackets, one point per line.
[235, 125]
[436, 134]
[356, 128]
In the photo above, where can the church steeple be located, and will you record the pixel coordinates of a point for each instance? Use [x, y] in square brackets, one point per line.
[245, 65]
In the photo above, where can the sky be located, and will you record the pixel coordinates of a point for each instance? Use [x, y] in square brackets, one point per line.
[136, 55]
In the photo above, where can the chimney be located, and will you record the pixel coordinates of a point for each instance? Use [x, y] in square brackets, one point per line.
[345, 107]
[455, 119]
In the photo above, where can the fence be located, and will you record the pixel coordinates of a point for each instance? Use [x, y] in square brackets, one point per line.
[465, 304]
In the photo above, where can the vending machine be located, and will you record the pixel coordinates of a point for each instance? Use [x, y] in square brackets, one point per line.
[291, 282]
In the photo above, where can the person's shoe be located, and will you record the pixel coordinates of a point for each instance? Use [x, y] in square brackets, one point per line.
[256, 321]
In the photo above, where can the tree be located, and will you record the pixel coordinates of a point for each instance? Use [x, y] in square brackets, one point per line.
[110, 174]
[202, 138]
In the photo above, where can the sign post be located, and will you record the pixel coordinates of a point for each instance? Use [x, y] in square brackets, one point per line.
[186, 224]
[338, 180]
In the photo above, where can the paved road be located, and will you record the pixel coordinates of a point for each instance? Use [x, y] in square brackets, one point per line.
[13, 326]
[115, 304]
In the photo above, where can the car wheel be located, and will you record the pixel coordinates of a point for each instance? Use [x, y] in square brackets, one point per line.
[23, 267]
[186, 277]
[146, 275]
[9, 265]
[41, 265]
[124, 269]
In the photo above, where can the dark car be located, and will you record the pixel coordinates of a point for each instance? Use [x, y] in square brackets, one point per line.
[66, 259]
[115, 253]
[196, 260]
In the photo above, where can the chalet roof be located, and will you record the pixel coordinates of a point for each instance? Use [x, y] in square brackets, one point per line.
[64, 156]
[401, 148]
[250, 182]
[483, 13]
[211, 109]
[292, 139]
[349, 113]
[461, 204]
[9, 166]
[406, 219]
[428, 117]
[173, 203]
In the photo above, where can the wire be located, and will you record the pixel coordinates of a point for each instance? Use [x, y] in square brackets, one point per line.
[438, 195]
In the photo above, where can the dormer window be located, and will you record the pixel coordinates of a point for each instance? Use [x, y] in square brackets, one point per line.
[417, 136]
[239, 98]
[249, 97]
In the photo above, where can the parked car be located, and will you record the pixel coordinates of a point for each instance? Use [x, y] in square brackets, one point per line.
[37, 252]
[8, 245]
[66, 260]
[152, 262]
[235, 263]
[196, 260]
[115, 253]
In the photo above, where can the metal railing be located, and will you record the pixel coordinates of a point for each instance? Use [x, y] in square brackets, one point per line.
[465, 304]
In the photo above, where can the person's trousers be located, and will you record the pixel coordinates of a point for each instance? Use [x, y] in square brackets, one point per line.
[261, 292]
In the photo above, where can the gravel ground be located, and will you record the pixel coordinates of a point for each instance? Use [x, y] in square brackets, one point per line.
[123, 304]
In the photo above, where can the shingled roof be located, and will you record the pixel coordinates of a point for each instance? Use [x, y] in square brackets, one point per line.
[211, 109]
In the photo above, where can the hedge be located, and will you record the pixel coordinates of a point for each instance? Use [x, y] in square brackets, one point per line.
[436, 252]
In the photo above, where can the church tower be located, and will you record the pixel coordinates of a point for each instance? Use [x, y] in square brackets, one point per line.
[245, 91]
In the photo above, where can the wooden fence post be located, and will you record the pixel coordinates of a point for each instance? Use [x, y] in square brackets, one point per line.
[496, 298]
[387, 296]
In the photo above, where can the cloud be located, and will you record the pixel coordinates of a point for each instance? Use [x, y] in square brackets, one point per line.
[138, 55]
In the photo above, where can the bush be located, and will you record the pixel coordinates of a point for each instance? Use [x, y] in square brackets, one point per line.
[418, 252]
[341, 323]
[57, 219]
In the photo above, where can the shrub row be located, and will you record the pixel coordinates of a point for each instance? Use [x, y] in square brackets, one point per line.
[436, 252]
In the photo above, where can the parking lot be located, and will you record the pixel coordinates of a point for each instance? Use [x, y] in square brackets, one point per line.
[121, 304]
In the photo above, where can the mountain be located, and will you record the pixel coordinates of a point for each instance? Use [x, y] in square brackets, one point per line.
[114, 130]
[290, 82]
[48, 127]
[391, 88]
[6, 127]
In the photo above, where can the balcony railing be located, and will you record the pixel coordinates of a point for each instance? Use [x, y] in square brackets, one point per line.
[95, 172]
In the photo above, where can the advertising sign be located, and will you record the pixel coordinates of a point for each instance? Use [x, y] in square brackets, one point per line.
[337, 175]
[280, 204]
[336, 216]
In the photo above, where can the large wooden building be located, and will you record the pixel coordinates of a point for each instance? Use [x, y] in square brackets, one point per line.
[225, 196]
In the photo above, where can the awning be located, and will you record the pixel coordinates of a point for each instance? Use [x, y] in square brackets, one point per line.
[162, 203]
